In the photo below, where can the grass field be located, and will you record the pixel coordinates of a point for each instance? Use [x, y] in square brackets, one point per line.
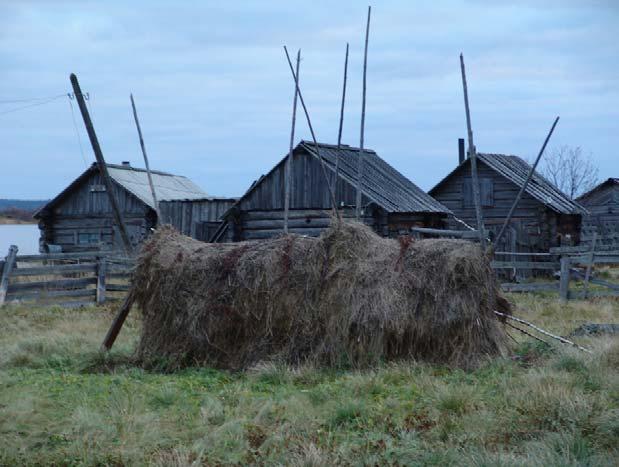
[63, 403]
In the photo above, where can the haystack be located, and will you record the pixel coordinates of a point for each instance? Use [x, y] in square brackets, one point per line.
[348, 297]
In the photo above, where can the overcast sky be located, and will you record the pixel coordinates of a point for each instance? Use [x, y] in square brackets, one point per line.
[214, 92]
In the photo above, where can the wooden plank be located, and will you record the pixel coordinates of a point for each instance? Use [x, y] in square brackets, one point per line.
[117, 287]
[594, 293]
[55, 284]
[447, 233]
[590, 265]
[119, 275]
[532, 287]
[6, 272]
[85, 255]
[52, 270]
[510, 253]
[525, 265]
[45, 294]
[77, 304]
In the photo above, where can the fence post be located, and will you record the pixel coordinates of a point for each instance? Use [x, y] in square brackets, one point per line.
[564, 284]
[101, 270]
[6, 272]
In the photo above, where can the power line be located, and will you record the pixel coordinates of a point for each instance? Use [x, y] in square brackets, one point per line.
[30, 99]
[47, 101]
[77, 133]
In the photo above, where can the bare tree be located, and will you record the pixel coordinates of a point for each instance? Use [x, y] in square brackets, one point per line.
[570, 169]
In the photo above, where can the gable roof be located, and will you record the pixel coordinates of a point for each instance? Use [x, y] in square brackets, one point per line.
[168, 187]
[516, 170]
[608, 181]
[381, 183]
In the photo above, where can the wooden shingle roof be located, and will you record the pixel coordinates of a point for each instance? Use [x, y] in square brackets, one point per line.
[516, 170]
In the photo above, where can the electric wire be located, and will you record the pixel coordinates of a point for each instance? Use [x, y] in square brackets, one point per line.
[77, 133]
[51, 99]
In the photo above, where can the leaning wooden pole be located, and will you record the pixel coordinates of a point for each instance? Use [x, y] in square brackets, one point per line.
[101, 163]
[288, 168]
[118, 322]
[311, 128]
[362, 133]
[473, 156]
[341, 127]
[526, 183]
[150, 176]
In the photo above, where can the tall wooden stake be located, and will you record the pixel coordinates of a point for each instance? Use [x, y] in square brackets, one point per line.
[526, 183]
[341, 127]
[101, 163]
[289, 159]
[311, 128]
[473, 156]
[150, 177]
[361, 152]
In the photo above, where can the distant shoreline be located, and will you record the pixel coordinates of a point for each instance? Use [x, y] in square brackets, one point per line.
[11, 221]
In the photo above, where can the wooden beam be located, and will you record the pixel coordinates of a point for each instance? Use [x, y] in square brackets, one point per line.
[362, 135]
[526, 183]
[288, 167]
[341, 126]
[101, 163]
[118, 322]
[150, 176]
[9, 263]
[473, 157]
[590, 265]
[311, 128]
[101, 271]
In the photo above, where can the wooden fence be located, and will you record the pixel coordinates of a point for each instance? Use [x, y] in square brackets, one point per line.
[66, 279]
[573, 266]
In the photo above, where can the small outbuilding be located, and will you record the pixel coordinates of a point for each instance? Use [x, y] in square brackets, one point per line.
[80, 218]
[545, 216]
[602, 202]
[391, 203]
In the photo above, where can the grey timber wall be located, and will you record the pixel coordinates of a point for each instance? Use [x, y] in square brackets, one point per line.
[603, 207]
[83, 219]
[190, 217]
[534, 226]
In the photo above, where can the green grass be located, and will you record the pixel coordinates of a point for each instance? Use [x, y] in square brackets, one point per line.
[64, 403]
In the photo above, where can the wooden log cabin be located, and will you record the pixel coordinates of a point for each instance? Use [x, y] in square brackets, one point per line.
[391, 203]
[80, 218]
[545, 216]
[602, 203]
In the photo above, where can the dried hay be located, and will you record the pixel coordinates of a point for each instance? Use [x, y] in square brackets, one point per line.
[348, 297]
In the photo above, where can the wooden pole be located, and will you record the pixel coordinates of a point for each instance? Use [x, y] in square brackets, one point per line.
[341, 127]
[590, 264]
[101, 163]
[362, 135]
[288, 169]
[526, 183]
[311, 128]
[101, 272]
[564, 280]
[150, 176]
[118, 322]
[473, 155]
[538, 329]
[6, 272]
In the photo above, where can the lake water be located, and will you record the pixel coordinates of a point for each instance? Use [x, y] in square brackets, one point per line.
[25, 236]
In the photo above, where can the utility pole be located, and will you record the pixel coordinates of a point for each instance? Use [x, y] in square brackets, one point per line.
[361, 153]
[101, 163]
[150, 177]
[288, 167]
[473, 156]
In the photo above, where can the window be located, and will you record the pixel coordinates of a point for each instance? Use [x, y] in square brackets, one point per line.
[87, 238]
[486, 192]
[97, 188]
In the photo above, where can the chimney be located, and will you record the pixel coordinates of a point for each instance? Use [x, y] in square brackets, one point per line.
[460, 150]
[127, 164]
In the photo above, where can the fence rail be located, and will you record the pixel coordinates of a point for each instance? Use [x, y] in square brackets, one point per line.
[66, 279]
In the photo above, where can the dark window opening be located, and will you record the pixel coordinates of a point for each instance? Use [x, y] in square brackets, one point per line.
[87, 238]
